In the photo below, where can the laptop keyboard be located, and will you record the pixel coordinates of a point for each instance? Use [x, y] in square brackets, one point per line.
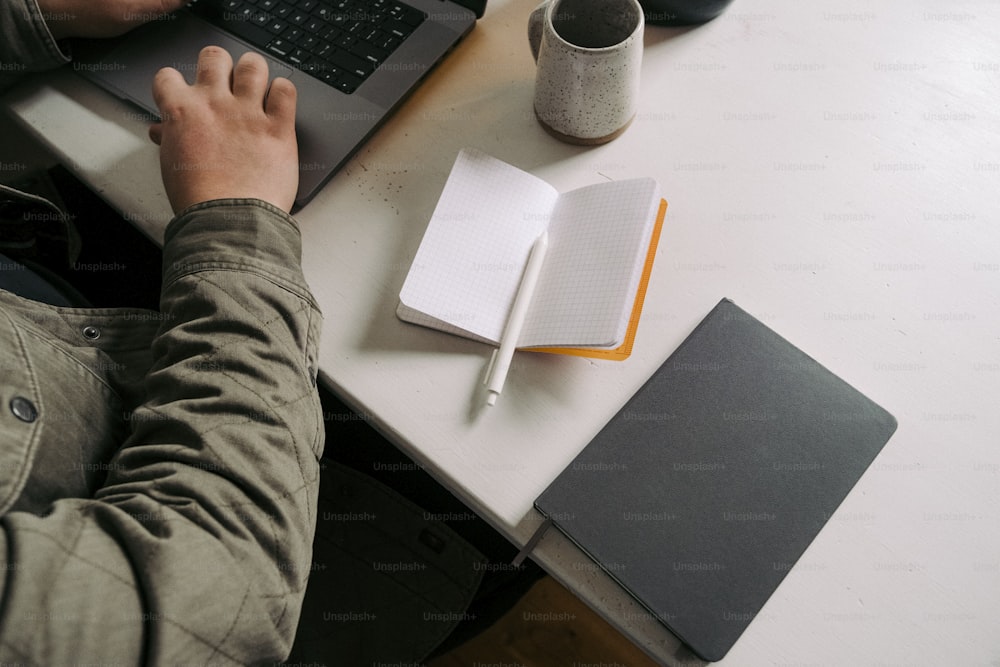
[340, 42]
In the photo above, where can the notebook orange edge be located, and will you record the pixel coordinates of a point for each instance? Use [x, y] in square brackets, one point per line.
[623, 351]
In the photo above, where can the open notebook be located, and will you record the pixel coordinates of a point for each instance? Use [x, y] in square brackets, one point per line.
[602, 242]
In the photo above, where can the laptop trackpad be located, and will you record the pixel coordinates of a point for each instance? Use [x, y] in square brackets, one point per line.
[173, 42]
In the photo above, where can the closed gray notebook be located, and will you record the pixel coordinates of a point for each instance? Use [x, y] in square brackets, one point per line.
[701, 494]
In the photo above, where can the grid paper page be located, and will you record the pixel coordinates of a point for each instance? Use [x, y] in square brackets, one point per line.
[598, 239]
[467, 270]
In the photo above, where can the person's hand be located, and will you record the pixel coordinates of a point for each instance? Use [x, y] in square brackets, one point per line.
[102, 18]
[228, 135]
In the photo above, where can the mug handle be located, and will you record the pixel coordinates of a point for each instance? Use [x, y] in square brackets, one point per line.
[535, 24]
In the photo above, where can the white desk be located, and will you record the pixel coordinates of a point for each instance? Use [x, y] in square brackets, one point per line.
[832, 166]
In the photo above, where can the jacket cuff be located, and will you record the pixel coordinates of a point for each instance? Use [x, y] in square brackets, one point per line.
[27, 45]
[235, 234]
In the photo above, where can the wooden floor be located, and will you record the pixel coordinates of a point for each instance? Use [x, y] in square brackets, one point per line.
[550, 627]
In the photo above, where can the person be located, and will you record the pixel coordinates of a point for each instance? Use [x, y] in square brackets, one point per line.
[182, 533]
[159, 469]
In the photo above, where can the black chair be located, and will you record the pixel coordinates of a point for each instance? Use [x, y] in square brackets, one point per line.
[34, 281]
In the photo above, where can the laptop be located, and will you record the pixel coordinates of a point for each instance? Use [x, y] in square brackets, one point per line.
[352, 61]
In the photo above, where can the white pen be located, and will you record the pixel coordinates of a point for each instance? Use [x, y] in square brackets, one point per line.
[502, 356]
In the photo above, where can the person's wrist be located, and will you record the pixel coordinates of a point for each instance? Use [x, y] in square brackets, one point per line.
[200, 196]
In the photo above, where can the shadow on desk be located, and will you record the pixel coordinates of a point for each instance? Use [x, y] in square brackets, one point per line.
[437, 575]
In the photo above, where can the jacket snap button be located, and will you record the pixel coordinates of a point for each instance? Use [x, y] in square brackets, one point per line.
[91, 333]
[23, 409]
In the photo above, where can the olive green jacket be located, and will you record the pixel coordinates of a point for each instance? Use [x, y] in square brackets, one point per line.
[158, 470]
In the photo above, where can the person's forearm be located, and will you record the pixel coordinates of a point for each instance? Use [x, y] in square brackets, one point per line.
[231, 398]
[198, 546]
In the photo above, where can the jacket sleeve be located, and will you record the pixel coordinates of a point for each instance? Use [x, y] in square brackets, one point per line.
[197, 548]
[26, 45]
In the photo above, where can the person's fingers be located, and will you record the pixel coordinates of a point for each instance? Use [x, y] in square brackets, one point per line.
[168, 87]
[168, 6]
[150, 10]
[156, 133]
[281, 98]
[215, 68]
[250, 77]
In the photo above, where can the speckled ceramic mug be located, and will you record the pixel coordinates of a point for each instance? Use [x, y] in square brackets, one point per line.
[589, 53]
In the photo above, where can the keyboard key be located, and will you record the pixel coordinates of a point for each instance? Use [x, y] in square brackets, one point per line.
[397, 28]
[368, 34]
[345, 42]
[370, 52]
[279, 47]
[389, 43]
[350, 63]
[347, 83]
[412, 16]
[330, 34]
[248, 31]
[276, 26]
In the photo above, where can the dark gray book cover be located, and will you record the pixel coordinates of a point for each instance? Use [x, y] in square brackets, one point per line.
[701, 494]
